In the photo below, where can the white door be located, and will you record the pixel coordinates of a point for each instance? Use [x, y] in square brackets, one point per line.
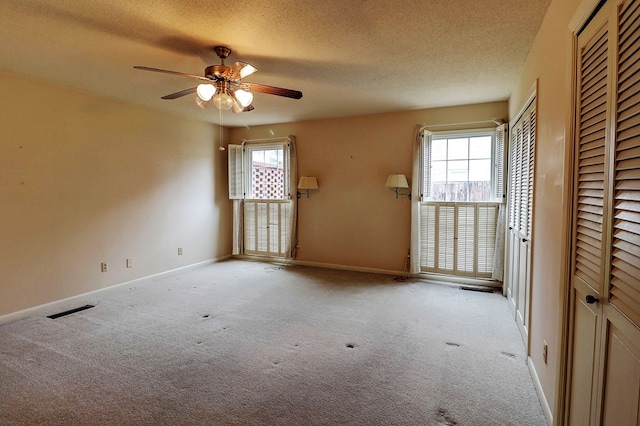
[520, 215]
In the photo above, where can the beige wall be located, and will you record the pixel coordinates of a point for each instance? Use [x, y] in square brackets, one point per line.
[549, 62]
[353, 219]
[85, 179]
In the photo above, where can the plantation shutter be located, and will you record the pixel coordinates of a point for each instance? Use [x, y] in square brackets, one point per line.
[501, 137]
[590, 157]
[236, 188]
[486, 238]
[428, 240]
[465, 239]
[445, 214]
[625, 250]
[426, 164]
[250, 227]
[458, 238]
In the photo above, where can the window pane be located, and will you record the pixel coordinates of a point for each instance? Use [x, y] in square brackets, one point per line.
[439, 149]
[480, 147]
[439, 171]
[267, 174]
[458, 171]
[458, 149]
[461, 168]
[257, 157]
[480, 170]
[272, 157]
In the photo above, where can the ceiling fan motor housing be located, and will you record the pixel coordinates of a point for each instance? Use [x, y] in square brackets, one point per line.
[215, 72]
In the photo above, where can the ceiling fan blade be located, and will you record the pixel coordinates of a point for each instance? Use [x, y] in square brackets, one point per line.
[272, 90]
[239, 70]
[180, 94]
[181, 74]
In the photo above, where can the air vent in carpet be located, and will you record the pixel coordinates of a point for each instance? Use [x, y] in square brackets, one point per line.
[480, 289]
[70, 311]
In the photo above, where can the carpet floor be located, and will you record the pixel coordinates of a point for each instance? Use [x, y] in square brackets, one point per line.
[252, 343]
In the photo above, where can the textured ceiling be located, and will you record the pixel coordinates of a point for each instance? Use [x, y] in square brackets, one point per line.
[348, 57]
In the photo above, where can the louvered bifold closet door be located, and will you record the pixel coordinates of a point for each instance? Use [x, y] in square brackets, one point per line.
[523, 165]
[531, 157]
[625, 250]
[590, 157]
[516, 179]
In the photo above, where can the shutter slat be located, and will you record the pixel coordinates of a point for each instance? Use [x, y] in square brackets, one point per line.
[624, 153]
[590, 224]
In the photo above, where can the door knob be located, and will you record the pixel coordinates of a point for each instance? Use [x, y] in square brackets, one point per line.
[591, 299]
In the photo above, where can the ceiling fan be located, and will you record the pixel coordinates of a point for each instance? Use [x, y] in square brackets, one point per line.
[222, 85]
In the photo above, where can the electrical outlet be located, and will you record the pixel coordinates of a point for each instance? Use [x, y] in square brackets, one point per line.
[545, 351]
[129, 263]
[179, 251]
[104, 267]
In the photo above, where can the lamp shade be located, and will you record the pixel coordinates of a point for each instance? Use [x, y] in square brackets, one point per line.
[308, 182]
[397, 181]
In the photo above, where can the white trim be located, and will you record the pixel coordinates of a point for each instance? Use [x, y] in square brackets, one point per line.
[347, 268]
[447, 280]
[439, 134]
[69, 302]
[538, 386]
[457, 279]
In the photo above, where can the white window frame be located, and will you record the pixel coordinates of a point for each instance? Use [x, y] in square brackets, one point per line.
[247, 171]
[449, 243]
[497, 160]
[265, 223]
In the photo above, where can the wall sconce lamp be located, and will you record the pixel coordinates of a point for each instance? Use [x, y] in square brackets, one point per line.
[307, 183]
[397, 181]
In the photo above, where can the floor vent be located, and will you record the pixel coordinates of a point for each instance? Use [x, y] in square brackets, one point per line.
[70, 311]
[480, 289]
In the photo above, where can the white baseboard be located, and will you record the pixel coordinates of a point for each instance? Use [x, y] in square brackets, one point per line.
[347, 268]
[282, 260]
[429, 278]
[73, 301]
[536, 383]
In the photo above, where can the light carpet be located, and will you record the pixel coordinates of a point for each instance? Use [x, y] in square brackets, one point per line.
[250, 343]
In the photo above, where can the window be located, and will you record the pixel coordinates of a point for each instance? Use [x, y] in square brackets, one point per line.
[460, 167]
[259, 179]
[462, 186]
[266, 166]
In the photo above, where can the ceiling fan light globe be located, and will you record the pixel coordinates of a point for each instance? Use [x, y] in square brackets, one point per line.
[202, 104]
[223, 101]
[206, 91]
[245, 98]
